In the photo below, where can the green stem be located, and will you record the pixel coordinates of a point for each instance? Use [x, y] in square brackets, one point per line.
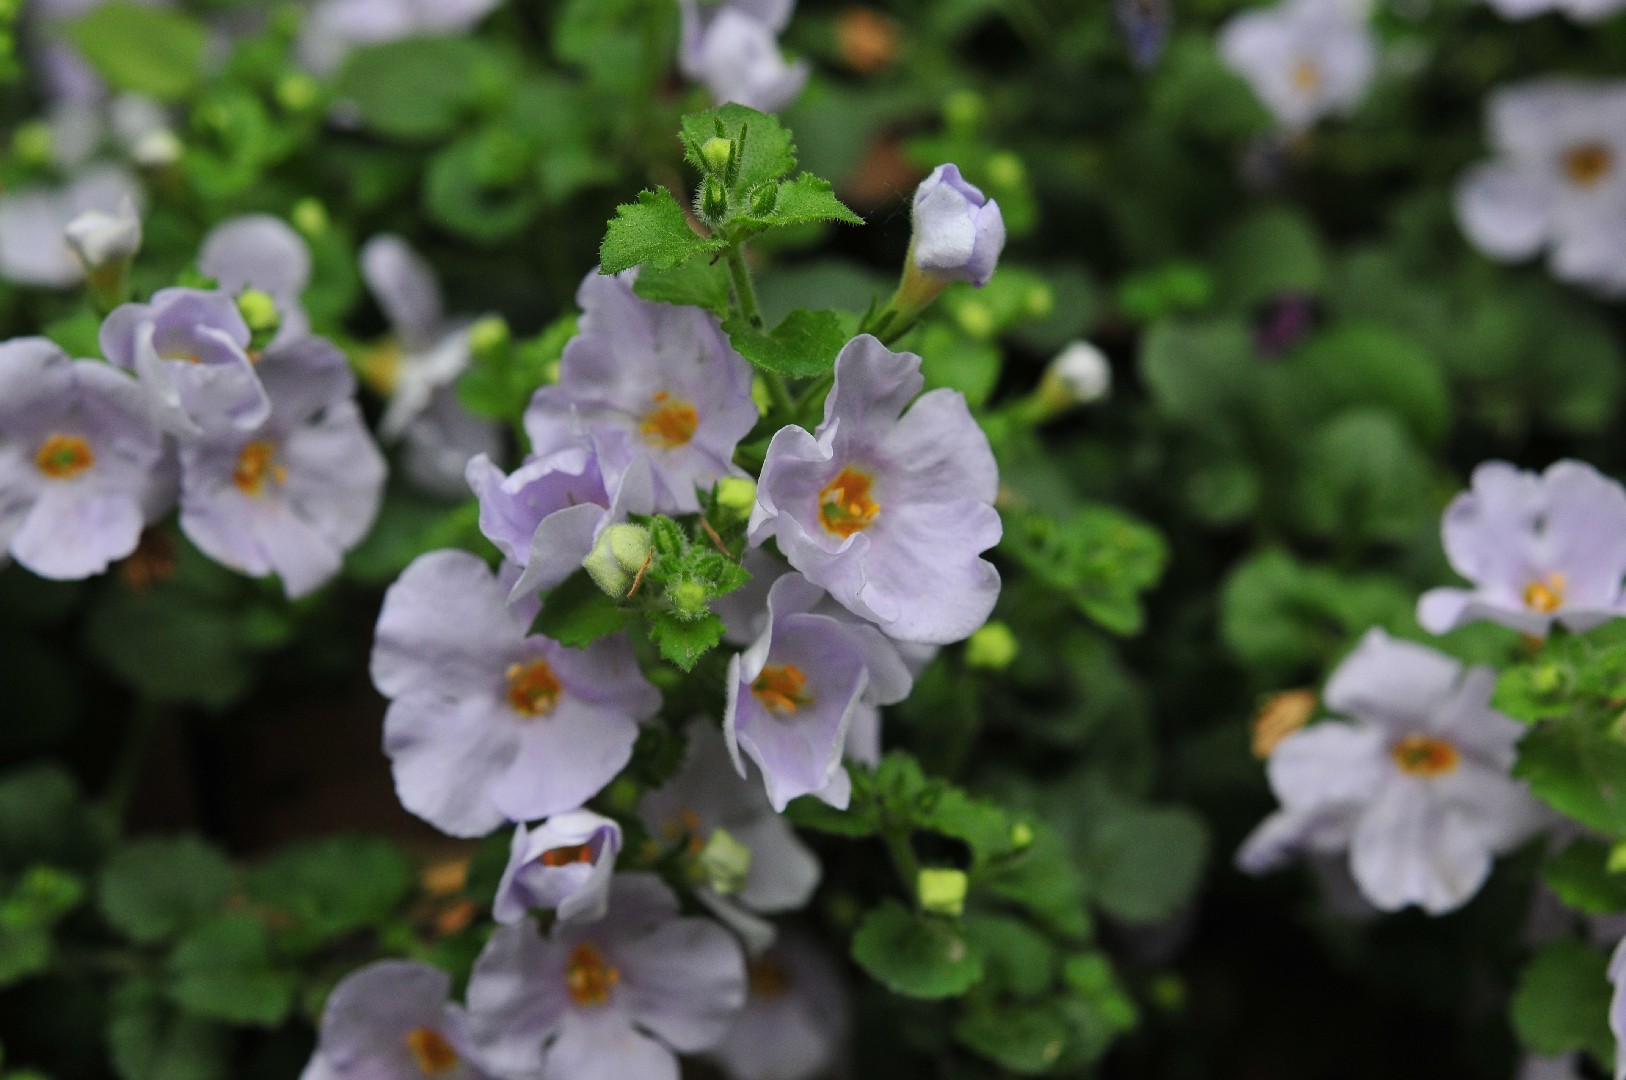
[903, 857]
[745, 298]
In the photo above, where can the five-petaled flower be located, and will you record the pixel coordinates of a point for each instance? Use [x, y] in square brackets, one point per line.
[1304, 59]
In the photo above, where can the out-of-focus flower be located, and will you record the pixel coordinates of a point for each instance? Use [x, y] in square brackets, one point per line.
[1415, 786]
[104, 240]
[958, 231]
[1617, 1008]
[1586, 11]
[1145, 26]
[78, 458]
[258, 251]
[334, 27]
[867, 39]
[1558, 182]
[1305, 59]
[609, 1000]
[663, 376]
[732, 48]
[391, 1020]
[487, 723]
[564, 865]
[888, 510]
[796, 1016]
[1079, 375]
[1537, 548]
[34, 248]
[291, 496]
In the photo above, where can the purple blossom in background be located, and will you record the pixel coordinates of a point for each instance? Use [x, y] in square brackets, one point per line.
[1284, 324]
[391, 1020]
[258, 251]
[78, 460]
[1145, 26]
[663, 375]
[796, 1016]
[334, 27]
[888, 510]
[189, 349]
[1558, 182]
[563, 865]
[1415, 786]
[1305, 59]
[958, 231]
[34, 249]
[1537, 549]
[732, 48]
[1617, 1008]
[487, 723]
[1586, 11]
[612, 1000]
[293, 495]
[430, 353]
[707, 795]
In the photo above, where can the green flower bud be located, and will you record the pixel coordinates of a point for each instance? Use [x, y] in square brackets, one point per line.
[1005, 170]
[296, 92]
[488, 337]
[976, 319]
[712, 205]
[715, 152]
[259, 311]
[963, 110]
[992, 648]
[737, 495]
[1617, 859]
[310, 217]
[942, 890]
[689, 598]
[724, 863]
[1021, 835]
[617, 556]
[764, 199]
[32, 142]
[1039, 302]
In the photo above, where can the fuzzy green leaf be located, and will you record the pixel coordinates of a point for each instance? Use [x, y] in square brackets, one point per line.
[578, 613]
[148, 50]
[652, 231]
[684, 641]
[696, 284]
[919, 956]
[803, 346]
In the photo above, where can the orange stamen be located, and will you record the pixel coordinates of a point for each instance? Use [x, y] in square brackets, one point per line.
[565, 856]
[845, 505]
[255, 464]
[1588, 164]
[782, 689]
[588, 978]
[1547, 594]
[533, 688]
[62, 457]
[671, 423]
[431, 1051]
[1425, 755]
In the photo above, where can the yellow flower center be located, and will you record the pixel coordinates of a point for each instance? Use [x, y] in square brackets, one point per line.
[686, 831]
[767, 979]
[588, 978]
[1306, 77]
[782, 689]
[1588, 164]
[1281, 715]
[256, 464]
[62, 457]
[533, 688]
[565, 856]
[431, 1051]
[671, 423]
[845, 505]
[1546, 594]
[1425, 755]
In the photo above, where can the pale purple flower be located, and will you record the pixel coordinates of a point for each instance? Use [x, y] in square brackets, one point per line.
[732, 48]
[615, 999]
[796, 1016]
[391, 1020]
[1304, 59]
[189, 349]
[1537, 549]
[34, 248]
[563, 865]
[958, 231]
[1145, 27]
[1585, 11]
[1414, 786]
[102, 240]
[1617, 1007]
[1536, 1067]
[1557, 183]
[78, 460]
[291, 496]
[707, 796]
[488, 723]
[440, 436]
[334, 27]
[259, 251]
[888, 510]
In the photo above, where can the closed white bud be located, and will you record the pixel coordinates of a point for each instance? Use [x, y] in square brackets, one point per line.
[1080, 373]
[103, 239]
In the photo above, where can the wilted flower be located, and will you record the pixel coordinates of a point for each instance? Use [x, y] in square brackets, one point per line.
[1558, 183]
[1305, 59]
[887, 510]
[795, 1018]
[1415, 786]
[34, 248]
[663, 375]
[391, 1020]
[609, 1000]
[958, 231]
[486, 722]
[564, 865]
[258, 251]
[732, 47]
[1537, 549]
[334, 27]
[291, 496]
[78, 456]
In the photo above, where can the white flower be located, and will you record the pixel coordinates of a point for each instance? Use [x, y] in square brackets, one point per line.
[33, 247]
[1305, 59]
[103, 239]
[1081, 372]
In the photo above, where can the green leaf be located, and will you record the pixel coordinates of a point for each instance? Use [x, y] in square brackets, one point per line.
[684, 641]
[696, 284]
[44, 818]
[1045, 879]
[918, 956]
[155, 889]
[148, 50]
[1267, 253]
[417, 89]
[1361, 478]
[803, 346]
[1101, 558]
[578, 613]
[334, 886]
[767, 152]
[1360, 364]
[1581, 877]
[152, 1040]
[1023, 1039]
[479, 187]
[950, 359]
[1202, 374]
[223, 971]
[1147, 862]
[24, 952]
[1562, 1002]
[1577, 765]
[652, 231]
[809, 812]
[802, 201]
[1016, 958]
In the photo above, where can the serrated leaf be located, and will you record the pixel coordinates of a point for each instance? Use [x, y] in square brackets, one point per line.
[809, 812]
[578, 613]
[1044, 878]
[223, 971]
[153, 51]
[1578, 767]
[695, 284]
[803, 346]
[155, 889]
[919, 956]
[1562, 1002]
[652, 231]
[684, 641]
[803, 201]
[767, 153]
[1101, 558]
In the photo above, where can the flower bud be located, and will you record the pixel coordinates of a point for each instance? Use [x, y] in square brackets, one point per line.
[103, 240]
[737, 495]
[712, 204]
[259, 311]
[716, 152]
[964, 110]
[32, 142]
[297, 92]
[959, 232]
[1079, 375]
[1021, 835]
[724, 863]
[991, 648]
[488, 336]
[942, 891]
[310, 217]
[690, 598]
[764, 199]
[617, 556]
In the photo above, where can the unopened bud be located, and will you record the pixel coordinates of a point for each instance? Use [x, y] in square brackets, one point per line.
[715, 152]
[296, 92]
[737, 495]
[157, 148]
[103, 239]
[1080, 374]
[976, 319]
[764, 199]
[488, 336]
[259, 311]
[991, 648]
[942, 891]
[617, 556]
[32, 142]
[712, 204]
[1021, 835]
[1039, 302]
[1617, 859]
[310, 217]
[963, 110]
[724, 863]
[1005, 170]
[689, 598]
